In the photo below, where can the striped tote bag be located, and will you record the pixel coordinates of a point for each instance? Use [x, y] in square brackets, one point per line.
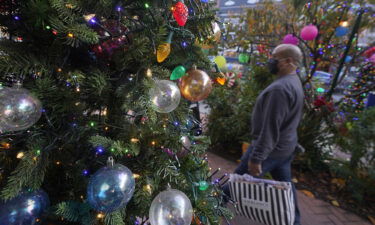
[264, 201]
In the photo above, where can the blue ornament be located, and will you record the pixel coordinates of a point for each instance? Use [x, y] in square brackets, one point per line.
[370, 100]
[23, 209]
[348, 58]
[341, 31]
[110, 188]
[204, 1]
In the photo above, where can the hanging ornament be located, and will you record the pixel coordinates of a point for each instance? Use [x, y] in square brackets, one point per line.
[19, 109]
[369, 52]
[370, 100]
[115, 35]
[24, 209]
[164, 49]
[171, 207]
[178, 72]
[348, 58]
[111, 187]
[231, 77]
[214, 37]
[186, 144]
[196, 86]
[290, 39]
[372, 59]
[261, 49]
[341, 31]
[165, 96]
[216, 32]
[309, 32]
[220, 61]
[243, 58]
[180, 13]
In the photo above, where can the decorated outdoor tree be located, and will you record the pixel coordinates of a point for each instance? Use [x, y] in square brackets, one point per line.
[357, 94]
[328, 33]
[92, 129]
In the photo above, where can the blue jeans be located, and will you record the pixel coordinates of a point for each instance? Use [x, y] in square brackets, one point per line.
[280, 169]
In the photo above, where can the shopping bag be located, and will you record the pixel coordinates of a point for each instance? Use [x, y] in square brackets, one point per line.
[264, 201]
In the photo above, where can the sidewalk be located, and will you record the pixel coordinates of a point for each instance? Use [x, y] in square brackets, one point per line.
[313, 211]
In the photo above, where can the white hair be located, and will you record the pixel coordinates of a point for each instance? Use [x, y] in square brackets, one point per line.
[288, 50]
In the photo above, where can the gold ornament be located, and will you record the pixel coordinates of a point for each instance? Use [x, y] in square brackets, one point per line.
[196, 86]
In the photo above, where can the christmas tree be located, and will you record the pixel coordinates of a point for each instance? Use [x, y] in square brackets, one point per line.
[92, 129]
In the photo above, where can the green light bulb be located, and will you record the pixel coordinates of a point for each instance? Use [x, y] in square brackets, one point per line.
[203, 185]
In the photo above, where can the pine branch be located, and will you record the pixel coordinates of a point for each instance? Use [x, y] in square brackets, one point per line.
[28, 174]
[63, 12]
[18, 62]
[114, 218]
[74, 34]
[75, 212]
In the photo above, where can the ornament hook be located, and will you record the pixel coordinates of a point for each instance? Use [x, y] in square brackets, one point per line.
[110, 161]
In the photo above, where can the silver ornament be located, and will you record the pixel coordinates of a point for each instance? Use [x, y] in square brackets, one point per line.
[19, 110]
[171, 207]
[165, 96]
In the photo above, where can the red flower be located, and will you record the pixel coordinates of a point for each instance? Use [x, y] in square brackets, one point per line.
[321, 101]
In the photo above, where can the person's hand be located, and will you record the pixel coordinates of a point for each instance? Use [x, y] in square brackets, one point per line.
[255, 169]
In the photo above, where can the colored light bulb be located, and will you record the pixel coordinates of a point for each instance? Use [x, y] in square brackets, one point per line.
[164, 49]
[180, 13]
[178, 72]
[163, 52]
[203, 185]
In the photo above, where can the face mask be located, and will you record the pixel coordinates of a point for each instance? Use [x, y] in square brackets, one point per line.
[272, 66]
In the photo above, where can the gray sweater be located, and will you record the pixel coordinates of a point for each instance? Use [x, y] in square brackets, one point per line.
[276, 115]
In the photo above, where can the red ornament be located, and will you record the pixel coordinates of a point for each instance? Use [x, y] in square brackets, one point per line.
[321, 101]
[180, 13]
[369, 52]
[116, 37]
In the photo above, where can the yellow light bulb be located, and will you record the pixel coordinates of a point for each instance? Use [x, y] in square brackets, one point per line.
[164, 49]
[100, 216]
[134, 140]
[149, 72]
[136, 176]
[70, 35]
[147, 188]
[344, 23]
[163, 52]
[20, 155]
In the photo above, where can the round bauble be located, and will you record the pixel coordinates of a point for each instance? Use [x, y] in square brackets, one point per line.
[220, 61]
[196, 86]
[290, 39]
[171, 207]
[243, 58]
[341, 31]
[19, 109]
[165, 96]
[24, 209]
[115, 36]
[110, 188]
[309, 32]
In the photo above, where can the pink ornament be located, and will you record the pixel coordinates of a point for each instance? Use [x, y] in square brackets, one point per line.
[372, 59]
[290, 39]
[309, 32]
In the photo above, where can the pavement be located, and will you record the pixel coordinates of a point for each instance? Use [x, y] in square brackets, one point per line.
[313, 211]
